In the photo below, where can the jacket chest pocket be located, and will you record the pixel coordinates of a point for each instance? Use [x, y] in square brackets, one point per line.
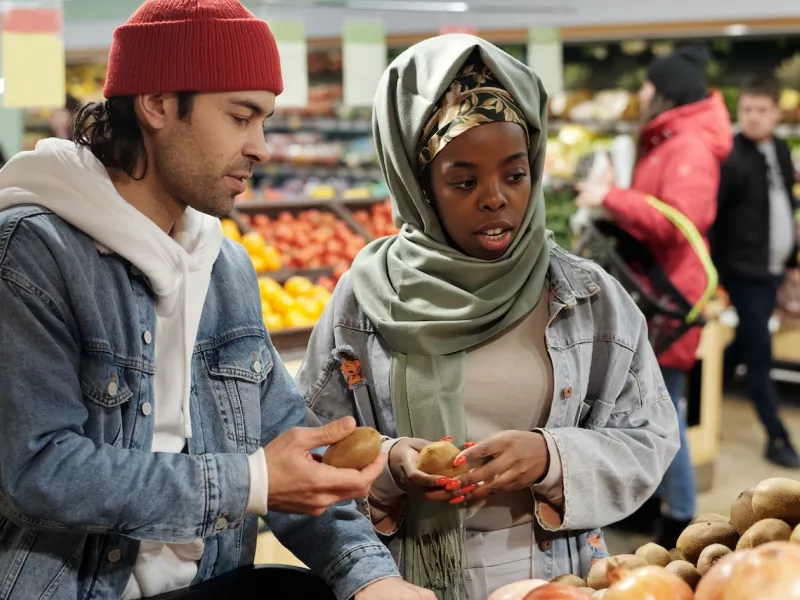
[237, 370]
[106, 392]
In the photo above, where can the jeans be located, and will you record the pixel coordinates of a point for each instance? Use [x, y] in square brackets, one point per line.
[677, 488]
[754, 301]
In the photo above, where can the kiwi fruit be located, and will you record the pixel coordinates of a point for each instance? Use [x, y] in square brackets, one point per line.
[598, 575]
[795, 535]
[766, 530]
[685, 571]
[778, 498]
[437, 459]
[709, 557]
[653, 554]
[676, 554]
[570, 579]
[355, 451]
[710, 518]
[696, 537]
[742, 515]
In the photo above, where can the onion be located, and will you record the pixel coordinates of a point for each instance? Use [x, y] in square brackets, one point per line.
[516, 590]
[765, 572]
[559, 591]
[646, 583]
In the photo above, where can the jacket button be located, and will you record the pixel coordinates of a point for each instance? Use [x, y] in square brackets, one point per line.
[147, 408]
[147, 337]
[114, 555]
[221, 524]
[257, 366]
[112, 388]
[546, 545]
[566, 393]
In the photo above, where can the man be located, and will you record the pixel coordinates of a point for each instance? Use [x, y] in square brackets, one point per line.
[145, 417]
[753, 244]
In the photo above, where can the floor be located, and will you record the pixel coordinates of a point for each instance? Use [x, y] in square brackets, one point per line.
[739, 466]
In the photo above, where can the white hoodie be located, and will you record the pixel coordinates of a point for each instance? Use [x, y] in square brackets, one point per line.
[71, 182]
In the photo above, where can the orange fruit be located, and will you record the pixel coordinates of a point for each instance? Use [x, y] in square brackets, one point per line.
[311, 307]
[253, 243]
[321, 293]
[272, 258]
[298, 286]
[267, 286]
[258, 263]
[297, 318]
[273, 322]
[282, 303]
[231, 230]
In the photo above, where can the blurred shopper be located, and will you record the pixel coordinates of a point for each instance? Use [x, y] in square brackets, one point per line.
[454, 323]
[754, 243]
[60, 118]
[146, 420]
[686, 136]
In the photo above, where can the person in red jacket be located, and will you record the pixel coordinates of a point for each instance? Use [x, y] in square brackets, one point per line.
[686, 136]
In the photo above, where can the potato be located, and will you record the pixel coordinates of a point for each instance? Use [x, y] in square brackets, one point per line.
[742, 515]
[570, 579]
[766, 530]
[437, 459]
[778, 498]
[695, 538]
[709, 557]
[598, 575]
[653, 554]
[685, 571]
[355, 451]
[676, 554]
[710, 518]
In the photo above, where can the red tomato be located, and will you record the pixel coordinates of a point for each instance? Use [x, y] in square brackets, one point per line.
[261, 221]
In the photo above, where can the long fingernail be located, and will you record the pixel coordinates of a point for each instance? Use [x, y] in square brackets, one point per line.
[461, 460]
[453, 486]
[447, 438]
[444, 481]
[467, 489]
[458, 500]
[469, 444]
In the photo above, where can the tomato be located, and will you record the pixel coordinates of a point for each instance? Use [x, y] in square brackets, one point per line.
[261, 221]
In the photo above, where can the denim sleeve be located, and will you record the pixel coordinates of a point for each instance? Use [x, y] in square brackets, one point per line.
[55, 478]
[616, 463]
[340, 545]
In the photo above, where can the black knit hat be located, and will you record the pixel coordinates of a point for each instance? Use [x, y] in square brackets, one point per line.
[681, 76]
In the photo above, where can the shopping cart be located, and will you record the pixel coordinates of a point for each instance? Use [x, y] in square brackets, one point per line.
[267, 582]
[669, 314]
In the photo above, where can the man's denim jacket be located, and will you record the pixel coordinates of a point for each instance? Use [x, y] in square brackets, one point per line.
[612, 419]
[79, 487]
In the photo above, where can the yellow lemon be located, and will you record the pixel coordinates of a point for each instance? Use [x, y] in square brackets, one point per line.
[267, 286]
[282, 303]
[258, 263]
[296, 318]
[253, 243]
[321, 294]
[273, 322]
[298, 286]
[272, 258]
[311, 307]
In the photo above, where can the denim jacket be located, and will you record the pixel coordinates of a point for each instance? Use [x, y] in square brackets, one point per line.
[611, 418]
[79, 487]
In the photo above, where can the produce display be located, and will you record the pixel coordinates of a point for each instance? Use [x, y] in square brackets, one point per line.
[298, 303]
[751, 554]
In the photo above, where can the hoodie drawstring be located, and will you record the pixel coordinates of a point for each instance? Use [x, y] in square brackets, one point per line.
[188, 350]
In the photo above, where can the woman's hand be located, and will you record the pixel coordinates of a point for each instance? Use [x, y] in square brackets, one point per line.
[403, 465]
[591, 195]
[516, 460]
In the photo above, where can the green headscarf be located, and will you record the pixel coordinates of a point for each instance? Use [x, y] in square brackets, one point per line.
[429, 301]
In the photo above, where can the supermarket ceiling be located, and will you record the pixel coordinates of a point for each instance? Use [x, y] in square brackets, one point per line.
[89, 23]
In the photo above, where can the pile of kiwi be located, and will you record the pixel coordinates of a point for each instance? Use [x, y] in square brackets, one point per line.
[767, 512]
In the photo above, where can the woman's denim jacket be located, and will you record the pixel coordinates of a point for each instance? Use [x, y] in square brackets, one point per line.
[78, 485]
[612, 419]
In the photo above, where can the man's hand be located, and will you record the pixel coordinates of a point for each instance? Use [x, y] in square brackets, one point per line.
[394, 588]
[517, 460]
[298, 483]
[403, 465]
[591, 195]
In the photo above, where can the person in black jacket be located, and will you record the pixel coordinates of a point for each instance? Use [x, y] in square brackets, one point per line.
[754, 243]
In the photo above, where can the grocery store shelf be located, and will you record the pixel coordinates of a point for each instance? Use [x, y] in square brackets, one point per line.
[303, 203]
[785, 130]
[321, 171]
[284, 274]
[291, 341]
[329, 126]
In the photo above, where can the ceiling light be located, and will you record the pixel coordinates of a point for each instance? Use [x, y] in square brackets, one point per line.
[738, 29]
[2, 84]
[409, 6]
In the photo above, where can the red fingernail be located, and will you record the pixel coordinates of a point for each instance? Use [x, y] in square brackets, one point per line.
[469, 444]
[470, 488]
[444, 481]
[453, 486]
[447, 438]
[461, 460]
[458, 500]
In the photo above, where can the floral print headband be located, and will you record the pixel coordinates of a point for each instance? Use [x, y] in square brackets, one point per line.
[474, 98]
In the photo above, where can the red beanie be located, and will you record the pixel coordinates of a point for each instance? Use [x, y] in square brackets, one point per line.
[192, 46]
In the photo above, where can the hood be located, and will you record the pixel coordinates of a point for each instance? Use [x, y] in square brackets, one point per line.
[71, 182]
[708, 119]
[406, 99]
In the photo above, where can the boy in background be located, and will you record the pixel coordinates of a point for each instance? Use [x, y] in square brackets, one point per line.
[754, 243]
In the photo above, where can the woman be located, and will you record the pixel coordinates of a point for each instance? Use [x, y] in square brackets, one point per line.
[686, 137]
[454, 323]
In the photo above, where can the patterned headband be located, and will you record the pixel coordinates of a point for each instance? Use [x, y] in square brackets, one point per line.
[474, 98]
